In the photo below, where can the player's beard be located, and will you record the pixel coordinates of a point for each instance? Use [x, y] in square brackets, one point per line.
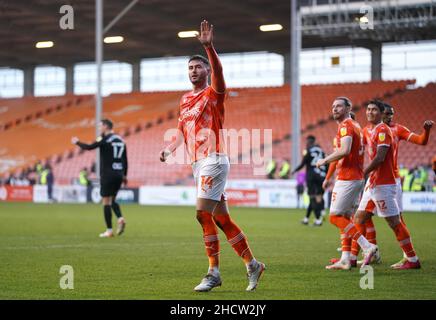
[338, 117]
[198, 81]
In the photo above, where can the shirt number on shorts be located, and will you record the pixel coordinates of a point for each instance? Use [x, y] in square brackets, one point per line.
[206, 183]
[382, 205]
[333, 196]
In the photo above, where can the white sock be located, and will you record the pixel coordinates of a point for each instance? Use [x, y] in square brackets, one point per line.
[305, 219]
[345, 256]
[412, 259]
[108, 230]
[213, 271]
[363, 243]
[353, 257]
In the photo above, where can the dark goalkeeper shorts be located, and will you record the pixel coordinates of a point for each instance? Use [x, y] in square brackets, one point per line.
[314, 186]
[110, 185]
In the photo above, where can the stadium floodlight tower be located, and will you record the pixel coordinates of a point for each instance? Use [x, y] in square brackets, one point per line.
[99, 33]
[295, 82]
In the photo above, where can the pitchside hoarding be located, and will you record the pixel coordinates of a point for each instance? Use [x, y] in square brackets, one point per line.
[16, 193]
[64, 194]
[262, 194]
[125, 195]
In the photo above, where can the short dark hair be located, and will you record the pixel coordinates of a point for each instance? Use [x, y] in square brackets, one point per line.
[352, 115]
[199, 57]
[107, 123]
[380, 105]
[346, 100]
[311, 137]
[387, 105]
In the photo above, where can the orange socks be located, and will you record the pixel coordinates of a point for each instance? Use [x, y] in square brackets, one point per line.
[345, 242]
[235, 236]
[355, 248]
[350, 230]
[403, 237]
[346, 226]
[370, 231]
[210, 236]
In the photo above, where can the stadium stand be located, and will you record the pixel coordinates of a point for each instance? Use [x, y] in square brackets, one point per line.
[139, 116]
[412, 108]
[18, 111]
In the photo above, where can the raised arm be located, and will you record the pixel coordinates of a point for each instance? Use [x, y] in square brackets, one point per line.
[422, 139]
[206, 39]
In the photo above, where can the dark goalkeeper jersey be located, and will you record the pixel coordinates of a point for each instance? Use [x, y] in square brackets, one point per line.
[113, 154]
[311, 156]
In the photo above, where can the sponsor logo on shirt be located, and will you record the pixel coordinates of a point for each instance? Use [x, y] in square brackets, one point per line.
[343, 131]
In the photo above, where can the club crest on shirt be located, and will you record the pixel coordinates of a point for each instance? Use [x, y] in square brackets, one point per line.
[343, 131]
[382, 136]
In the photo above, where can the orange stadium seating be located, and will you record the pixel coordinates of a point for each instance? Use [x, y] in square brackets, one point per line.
[144, 117]
[22, 110]
[49, 136]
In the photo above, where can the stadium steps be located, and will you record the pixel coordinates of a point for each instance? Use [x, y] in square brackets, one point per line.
[248, 108]
[18, 111]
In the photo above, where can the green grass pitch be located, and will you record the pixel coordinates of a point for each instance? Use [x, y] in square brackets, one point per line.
[161, 256]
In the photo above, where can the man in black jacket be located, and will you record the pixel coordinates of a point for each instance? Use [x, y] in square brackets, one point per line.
[113, 172]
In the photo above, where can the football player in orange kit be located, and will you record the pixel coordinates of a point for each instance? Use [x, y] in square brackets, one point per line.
[399, 133]
[200, 127]
[349, 154]
[380, 195]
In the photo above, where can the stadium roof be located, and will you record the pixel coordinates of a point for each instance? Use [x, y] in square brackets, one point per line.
[150, 29]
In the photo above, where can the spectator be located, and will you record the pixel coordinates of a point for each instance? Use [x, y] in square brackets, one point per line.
[407, 182]
[284, 169]
[47, 178]
[417, 180]
[38, 170]
[301, 179]
[271, 169]
[84, 181]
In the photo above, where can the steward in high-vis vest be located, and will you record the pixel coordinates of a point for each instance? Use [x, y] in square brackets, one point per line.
[284, 170]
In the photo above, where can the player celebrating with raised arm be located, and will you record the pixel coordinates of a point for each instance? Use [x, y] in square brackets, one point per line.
[199, 127]
[113, 172]
[399, 132]
[346, 191]
[380, 195]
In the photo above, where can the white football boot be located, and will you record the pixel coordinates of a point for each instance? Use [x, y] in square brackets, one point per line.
[254, 276]
[208, 283]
